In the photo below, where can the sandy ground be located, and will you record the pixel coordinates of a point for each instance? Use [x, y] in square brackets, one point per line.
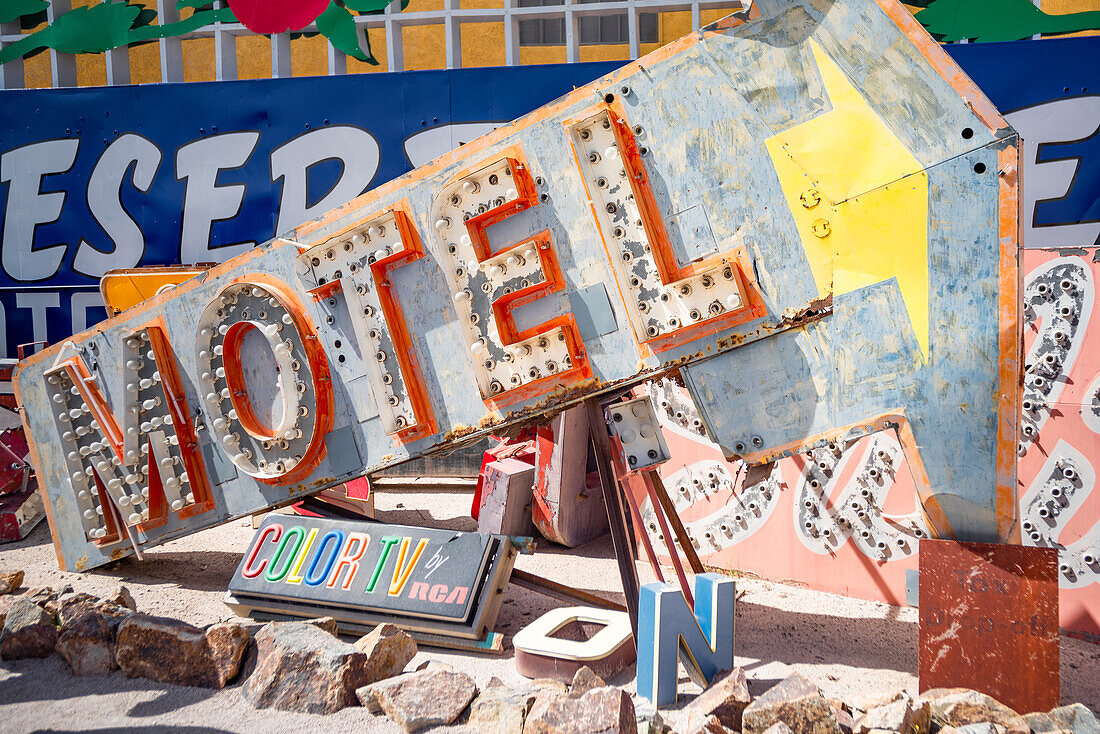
[846, 646]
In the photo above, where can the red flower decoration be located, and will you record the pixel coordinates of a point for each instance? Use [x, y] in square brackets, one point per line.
[277, 16]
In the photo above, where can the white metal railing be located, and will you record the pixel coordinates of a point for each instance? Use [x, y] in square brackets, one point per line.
[392, 20]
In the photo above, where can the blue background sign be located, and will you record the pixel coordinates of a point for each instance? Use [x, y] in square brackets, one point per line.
[108, 177]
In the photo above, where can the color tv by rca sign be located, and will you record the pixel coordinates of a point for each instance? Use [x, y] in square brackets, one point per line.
[638, 224]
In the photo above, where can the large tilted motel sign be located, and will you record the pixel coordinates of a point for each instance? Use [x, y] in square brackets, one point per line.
[806, 207]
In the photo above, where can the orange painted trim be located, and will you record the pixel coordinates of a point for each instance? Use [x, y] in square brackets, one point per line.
[78, 373]
[895, 420]
[943, 64]
[184, 427]
[1010, 380]
[234, 378]
[111, 518]
[553, 282]
[753, 306]
[326, 291]
[413, 250]
[318, 367]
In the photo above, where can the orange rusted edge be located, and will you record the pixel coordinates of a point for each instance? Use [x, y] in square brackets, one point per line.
[664, 258]
[553, 281]
[234, 378]
[895, 420]
[1011, 343]
[318, 367]
[412, 250]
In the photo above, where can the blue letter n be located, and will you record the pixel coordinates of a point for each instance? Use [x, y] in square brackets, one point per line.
[666, 624]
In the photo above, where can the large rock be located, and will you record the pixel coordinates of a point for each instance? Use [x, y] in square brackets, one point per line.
[300, 667]
[29, 632]
[903, 714]
[47, 596]
[72, 607]
[328, 624]
[1075, 719]
[502, 710]
[959, 707]
[421, 699]
[10, 581]
[795, 701]
[725, 699]
[171, 651]
[600, 711]
[861, 703]
[388, 651]
[88, 646]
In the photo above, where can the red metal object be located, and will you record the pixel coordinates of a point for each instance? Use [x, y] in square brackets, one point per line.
[989, 621]
[21, 507]
[521, 447]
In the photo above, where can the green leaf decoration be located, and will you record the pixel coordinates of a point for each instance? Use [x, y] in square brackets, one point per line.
[12, 10]
[367, 6]
[170, 30]
[338, 26]
[90, 29]
[999, 20]
[108, 25]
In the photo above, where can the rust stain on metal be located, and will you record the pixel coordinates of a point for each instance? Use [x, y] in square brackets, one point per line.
[816, 310]
[987, 607]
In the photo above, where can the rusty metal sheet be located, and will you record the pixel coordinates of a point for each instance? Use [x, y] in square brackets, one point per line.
[726, 192]
[988, 608]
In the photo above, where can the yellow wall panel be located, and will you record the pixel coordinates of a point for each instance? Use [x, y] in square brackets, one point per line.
[91, 70]
[254, 57]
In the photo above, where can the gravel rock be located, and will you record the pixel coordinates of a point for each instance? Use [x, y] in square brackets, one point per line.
[88, 646]
[599, 711]
[123, 598]
[10, 581]
[709, 725]
[29, 632]
[796, 702]
[961, 706]
[388, 651]
[584, 680]
[903, 714]
[648, 719]
[725, 699]
[171, 651]
[421, 699]
[300, 667]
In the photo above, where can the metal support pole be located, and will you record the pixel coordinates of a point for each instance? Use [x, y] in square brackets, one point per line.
[616, 516]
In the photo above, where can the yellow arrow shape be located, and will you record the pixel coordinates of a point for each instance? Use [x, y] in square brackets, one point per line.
[879, 234]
